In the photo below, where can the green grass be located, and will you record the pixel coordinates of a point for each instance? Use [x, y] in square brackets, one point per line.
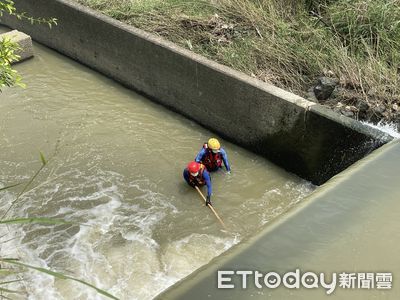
[289, 43]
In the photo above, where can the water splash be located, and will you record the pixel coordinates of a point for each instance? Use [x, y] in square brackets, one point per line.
[118, 176]
[389, 128]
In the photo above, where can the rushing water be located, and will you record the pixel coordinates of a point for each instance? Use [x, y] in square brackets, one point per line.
[115, 171]
[348, 230]
[389, 128]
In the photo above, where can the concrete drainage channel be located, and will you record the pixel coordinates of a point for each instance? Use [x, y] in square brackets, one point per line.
[336, 230]
[300, 136]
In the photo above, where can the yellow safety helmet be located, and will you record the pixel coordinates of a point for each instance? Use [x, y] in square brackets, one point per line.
[213, 144]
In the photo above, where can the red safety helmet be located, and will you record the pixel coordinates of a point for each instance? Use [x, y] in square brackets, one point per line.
[193, 167]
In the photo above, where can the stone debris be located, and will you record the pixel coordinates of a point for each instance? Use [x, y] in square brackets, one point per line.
[324, 87]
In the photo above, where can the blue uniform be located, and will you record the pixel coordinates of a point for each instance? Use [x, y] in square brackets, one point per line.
[204, 152]
[206, 178]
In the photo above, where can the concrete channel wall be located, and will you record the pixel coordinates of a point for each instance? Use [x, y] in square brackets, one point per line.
[302, 137]
[336, 229]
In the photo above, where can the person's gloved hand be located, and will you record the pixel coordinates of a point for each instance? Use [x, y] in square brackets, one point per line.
[208, 202]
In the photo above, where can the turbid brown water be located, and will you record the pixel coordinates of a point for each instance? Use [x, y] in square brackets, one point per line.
[349, 230]
[115, 167]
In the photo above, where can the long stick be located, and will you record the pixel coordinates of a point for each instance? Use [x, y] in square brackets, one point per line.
[211, 207]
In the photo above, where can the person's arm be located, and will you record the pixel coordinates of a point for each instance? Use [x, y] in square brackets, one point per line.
[225, 159]
[200, 155]
[186, 176]
[207, 179]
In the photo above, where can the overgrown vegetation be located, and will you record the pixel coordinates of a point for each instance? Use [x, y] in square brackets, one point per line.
[8, 76]
[289, 43]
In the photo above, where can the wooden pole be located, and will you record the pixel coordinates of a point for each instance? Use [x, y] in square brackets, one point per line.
[211, 207]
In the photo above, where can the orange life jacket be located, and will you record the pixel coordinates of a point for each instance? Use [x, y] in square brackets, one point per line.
[211, 160]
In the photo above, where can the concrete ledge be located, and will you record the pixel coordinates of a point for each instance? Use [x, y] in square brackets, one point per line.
[23, 40]
[308, 236]
[296, 134]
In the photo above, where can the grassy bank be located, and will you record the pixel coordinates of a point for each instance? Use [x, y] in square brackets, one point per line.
[289, 43]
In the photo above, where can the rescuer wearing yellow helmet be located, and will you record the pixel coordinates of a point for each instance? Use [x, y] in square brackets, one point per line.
[212, 155]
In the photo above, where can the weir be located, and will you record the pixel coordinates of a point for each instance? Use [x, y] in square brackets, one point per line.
[136, 221]
[350, 224]
[302, 137]
[115, 171]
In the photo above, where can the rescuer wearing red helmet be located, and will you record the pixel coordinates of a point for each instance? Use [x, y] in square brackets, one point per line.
[196, 174]
[212, 155]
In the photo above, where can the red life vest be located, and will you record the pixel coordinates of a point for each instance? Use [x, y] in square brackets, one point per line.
[199, 179]
[211, 160]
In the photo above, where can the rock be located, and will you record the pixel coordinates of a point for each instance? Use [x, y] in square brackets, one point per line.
[377, 113]
[379, 110]
[311, 97]
[23, 40]
[324, 87]
[395, 119]
[362, 106]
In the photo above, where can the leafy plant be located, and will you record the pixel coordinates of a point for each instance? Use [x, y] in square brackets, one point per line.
[8, 75]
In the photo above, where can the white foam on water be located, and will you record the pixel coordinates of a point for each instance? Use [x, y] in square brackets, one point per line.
[114, 248]
[129, 238]
[11, 246]
[141, 238]
[147, 272]
[193, 251]
[138, 270]
[389, 128]
[273, 198]
[42, 287]
[100, 218]
[90, 252]
[6, 200]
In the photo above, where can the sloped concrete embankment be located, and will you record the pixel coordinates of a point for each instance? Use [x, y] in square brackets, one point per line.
[347, 224]
[300, 136]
